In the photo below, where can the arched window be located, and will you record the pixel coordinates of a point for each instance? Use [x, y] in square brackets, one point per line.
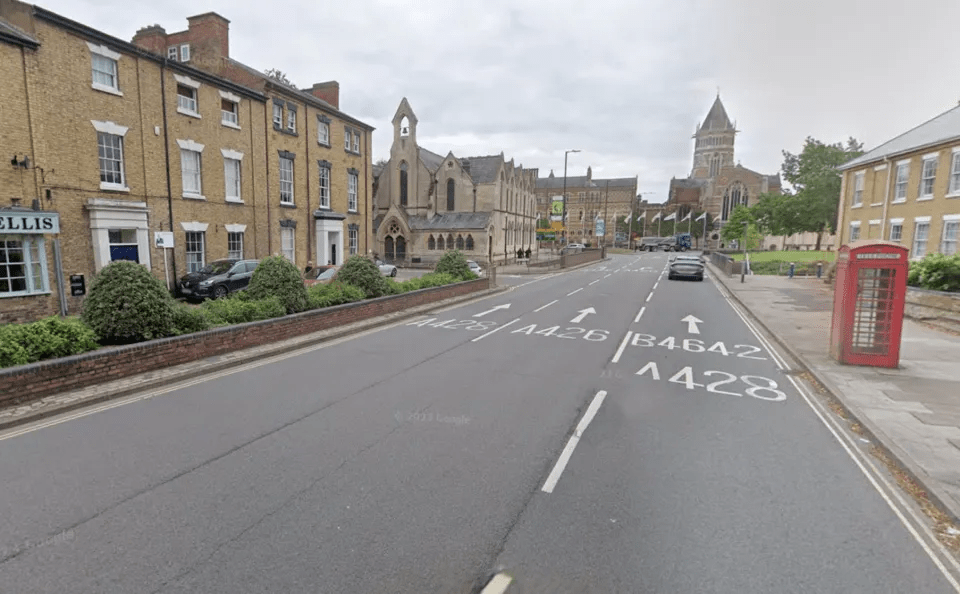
[432, 243]
[715, 162]
[440, 245]
[735, 196]
[469, 243]
[450, 243]
[460, 242]
[404, 127]
[403, 183]
[388, 248]
[450, 193]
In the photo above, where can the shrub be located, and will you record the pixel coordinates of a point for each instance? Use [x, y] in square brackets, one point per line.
[936, 272]
[188, 320]
[277, 277]
[455, 264]
[48, 338]
[335, 293]
[364, 274]
[233, 310]
[439, 279]
[128, 304]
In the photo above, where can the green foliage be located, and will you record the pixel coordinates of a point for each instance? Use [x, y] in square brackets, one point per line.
[223, 312]
[128, 304]
[936, 272]
[48, 338]
[454, 263]
[278, 277]
[335, 293]
[734, 229]
[432, 279]
[188, 320]
[364, 274]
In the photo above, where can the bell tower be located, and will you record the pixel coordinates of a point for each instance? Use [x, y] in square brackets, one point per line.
[713, 142]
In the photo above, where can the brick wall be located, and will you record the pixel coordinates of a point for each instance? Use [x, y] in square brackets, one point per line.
[568, 260]
[45, 378]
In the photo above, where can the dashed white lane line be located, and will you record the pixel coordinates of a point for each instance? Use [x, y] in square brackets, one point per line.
[639, 315]
[607, 276]
[572, 292]
[595, 282]
[542, 307]
[655, 285]
[561, 464]
[498, 585]
[649, 296]
[623, 345]
[497, 329]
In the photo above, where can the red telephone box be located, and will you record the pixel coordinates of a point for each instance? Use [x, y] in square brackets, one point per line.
[868, 303]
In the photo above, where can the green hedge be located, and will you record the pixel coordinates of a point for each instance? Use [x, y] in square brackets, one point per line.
[454, 263]
[365, 275]
[335, 293]
[233, 310]
[277, 277]
[48, 338]
[936, 272]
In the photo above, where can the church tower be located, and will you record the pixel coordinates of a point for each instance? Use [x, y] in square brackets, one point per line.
[713, 143]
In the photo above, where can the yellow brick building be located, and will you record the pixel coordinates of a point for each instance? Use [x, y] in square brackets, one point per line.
[589, 199]
[906, 190]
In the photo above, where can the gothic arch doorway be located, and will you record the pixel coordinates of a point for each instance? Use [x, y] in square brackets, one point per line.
[401, 249]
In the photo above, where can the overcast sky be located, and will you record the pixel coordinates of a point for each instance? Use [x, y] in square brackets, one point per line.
[626, 82]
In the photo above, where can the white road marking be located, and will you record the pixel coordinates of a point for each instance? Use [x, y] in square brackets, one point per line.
[561, 464]
[656, 284]
[639, 315]
[537, 280]
[492, 309]
[606, 276]
[572, 292]
[595, 282]
[649, 296]
[623, 345]
[542, 307]
[692, 322]
[583, 313]
[499, 328]
[498, 585]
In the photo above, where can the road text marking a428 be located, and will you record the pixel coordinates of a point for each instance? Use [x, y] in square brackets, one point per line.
[759, 387]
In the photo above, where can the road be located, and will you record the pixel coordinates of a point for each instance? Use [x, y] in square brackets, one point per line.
[601, 430]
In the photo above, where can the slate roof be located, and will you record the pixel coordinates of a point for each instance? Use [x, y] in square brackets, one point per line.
[717, 117]
[943, 128]
[13, 35]
[556, 183]
[450, 220]
[484, 169]
[431, 159]
[687, 183]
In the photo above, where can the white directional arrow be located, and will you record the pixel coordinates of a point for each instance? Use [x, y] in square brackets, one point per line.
[504, 306]
[692, 322]
[583, 313]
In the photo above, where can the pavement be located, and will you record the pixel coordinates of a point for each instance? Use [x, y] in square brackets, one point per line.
[599, 430]
[912, 411]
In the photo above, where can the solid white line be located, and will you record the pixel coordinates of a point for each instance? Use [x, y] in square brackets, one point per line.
[595, 282]
[623, 345]
[564, 458]
[649, 296]
[572, 292]
[639, 315]
[495, 330]
[547, 305]
[498, 585]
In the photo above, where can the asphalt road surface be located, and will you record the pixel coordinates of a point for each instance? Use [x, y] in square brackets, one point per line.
[602, 430]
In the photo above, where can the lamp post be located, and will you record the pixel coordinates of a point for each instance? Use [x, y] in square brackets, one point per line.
[564, 219]
[743, 265]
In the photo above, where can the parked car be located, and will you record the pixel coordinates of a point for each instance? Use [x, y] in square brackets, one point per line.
[475, 268]
[686, 267]
[386, 269]
[218, 279]
[574, 248]
[320, 275]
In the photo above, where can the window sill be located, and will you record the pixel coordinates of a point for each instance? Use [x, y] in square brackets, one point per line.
[322, 207]
[876, 204]
[234, 200]
[284, 131]
[353, 211]
[852, 206]
[287, 205]
[229, 124]
[113, 187]
[900, 201]
[924, 198]
[953, 195]
[106, 89]
[25, 294]
[323, 144]
[194, 196]
[187, 112]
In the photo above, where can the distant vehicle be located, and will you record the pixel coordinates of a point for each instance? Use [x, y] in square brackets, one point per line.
[320, 275]
[218, 279]
[475, 268]
[650, 244]
[686, 267]
[680, 242]
[386, 269]
[575, 248]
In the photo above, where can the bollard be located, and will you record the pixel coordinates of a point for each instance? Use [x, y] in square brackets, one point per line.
[819, 270]
[792, 268]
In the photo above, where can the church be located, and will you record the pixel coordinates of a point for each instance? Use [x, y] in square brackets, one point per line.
[718, 184]
[425, 203]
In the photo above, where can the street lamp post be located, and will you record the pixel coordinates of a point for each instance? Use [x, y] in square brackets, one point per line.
[563, 221]
[743, 265]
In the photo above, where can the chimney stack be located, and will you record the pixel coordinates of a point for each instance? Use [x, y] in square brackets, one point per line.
[152, 39]
[327, 91]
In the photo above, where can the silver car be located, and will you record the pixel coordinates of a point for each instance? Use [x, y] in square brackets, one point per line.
[386, 269]
[475, 268]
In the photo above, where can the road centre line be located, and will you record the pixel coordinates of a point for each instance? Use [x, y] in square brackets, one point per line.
[639, 315]
[656, 284]
[623, 345]
[497, 329]
[649, 296]
[567, 452]
[537, 280]
[542, 307]
[595, 282]
[572, 292]
[498, 585]
[607, 276]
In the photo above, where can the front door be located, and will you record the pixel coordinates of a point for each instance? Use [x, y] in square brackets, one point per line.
[401, 254]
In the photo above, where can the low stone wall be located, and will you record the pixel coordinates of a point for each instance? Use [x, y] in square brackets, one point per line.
[45, 378]
[588, 255]
[725, 263]
[937, 307]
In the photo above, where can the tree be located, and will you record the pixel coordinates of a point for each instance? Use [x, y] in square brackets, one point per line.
[734, 228]
[816, 182]
[279, 76]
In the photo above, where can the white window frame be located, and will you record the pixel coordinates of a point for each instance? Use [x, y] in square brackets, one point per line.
[277, 115]
[32, 247]
[187, 148]
[854, 226]
[105, 53]
[183, 104]
[195, 227]
[347, 132]
[237, 233]
[324, 186]
[232, 159]
[954, 190]
[916, 252]
[927, 177]
[353, 192]
[858, 182]
[353, 238]
[287, 182]
[291, 121]
[356, 142]
[288, 243]
[948, 247]
[323, 132]
[900, 185]
[185, 52]
[230, 119]
[173, 54]
[898, 224]
[112, 129]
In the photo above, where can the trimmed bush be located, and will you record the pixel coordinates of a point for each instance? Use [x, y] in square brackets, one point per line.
[188, 320]
[936, 272]
[335, 293]
[277, 277]
[224, 312]
[455, 264]
[431, 279]
[365, 275]
[128, 304]
[48, 338]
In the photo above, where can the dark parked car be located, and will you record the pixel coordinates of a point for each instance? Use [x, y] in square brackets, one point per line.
[686, 267]
[218, 279]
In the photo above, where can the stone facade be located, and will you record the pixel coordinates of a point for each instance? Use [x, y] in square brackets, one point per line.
[426, 204]
[589, 199]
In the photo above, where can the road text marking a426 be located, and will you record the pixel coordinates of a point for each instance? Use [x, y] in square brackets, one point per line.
[572, 333]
